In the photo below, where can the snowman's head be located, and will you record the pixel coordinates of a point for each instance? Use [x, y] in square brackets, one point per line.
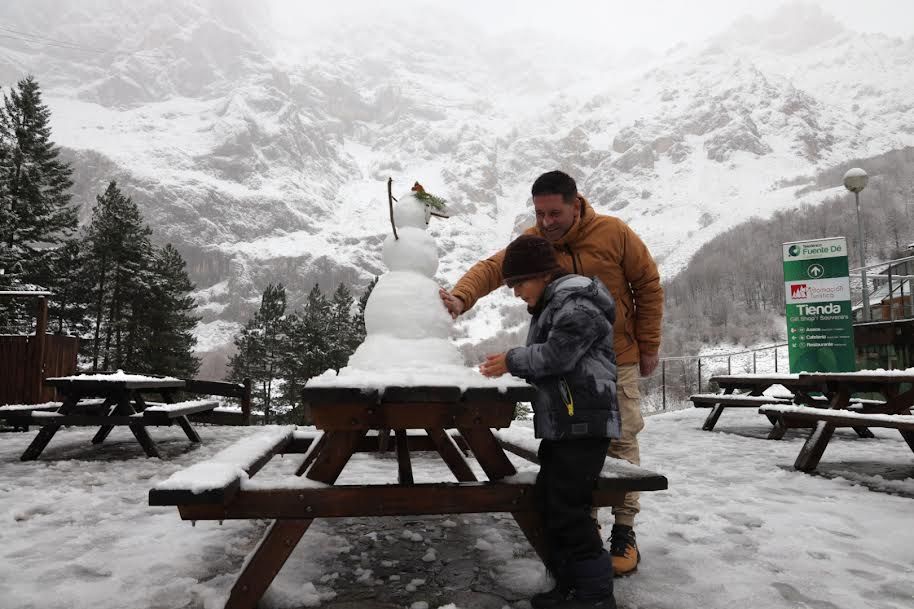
[410, 211]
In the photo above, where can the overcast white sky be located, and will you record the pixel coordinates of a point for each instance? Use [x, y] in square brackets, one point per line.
[654, 24]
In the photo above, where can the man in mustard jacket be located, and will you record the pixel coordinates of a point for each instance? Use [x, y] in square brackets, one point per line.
[594, 245]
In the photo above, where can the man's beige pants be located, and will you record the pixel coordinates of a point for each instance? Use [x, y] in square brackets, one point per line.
[626, 447]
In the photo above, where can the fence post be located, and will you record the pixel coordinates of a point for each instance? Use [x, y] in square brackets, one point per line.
[891, 299]
[775, 360]
[246, 401]
[663, 380]
[901, 285]
[729, 369]
[699, 375]
[753, 362]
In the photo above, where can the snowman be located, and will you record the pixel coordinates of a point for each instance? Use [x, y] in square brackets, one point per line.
[407, 327]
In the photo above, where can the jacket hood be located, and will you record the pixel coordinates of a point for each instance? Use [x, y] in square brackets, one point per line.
[578, 286]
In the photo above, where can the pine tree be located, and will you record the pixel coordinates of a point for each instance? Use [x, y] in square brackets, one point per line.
[307, 351]
[69, 306]
[260, 346]
[358, 321]
[119, 258]
[341, 330]
[35, 210]
[165, 322]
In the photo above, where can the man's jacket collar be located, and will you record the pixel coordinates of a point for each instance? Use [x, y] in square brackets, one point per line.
[576, 230]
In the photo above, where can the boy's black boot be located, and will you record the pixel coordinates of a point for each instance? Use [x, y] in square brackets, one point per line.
[624, 549]
[562, 590]
[553, 598]
[593, 584]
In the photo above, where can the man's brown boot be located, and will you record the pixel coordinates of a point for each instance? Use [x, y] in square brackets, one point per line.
[624, 550]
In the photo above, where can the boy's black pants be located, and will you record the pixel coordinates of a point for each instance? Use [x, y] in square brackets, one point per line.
[564, 493]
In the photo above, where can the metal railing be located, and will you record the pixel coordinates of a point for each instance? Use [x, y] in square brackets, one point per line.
[678, 377]
[888, 290]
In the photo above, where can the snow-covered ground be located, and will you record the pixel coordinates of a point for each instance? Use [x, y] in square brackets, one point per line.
[738, 527]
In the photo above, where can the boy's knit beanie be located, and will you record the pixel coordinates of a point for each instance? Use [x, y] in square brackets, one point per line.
[526, 257]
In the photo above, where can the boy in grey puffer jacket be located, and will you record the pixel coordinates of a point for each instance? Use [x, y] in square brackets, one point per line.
[569, 358]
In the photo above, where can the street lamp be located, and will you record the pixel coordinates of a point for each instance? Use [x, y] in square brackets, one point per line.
[855, 180]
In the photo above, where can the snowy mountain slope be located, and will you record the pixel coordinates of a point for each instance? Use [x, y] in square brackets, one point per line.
[264, 158]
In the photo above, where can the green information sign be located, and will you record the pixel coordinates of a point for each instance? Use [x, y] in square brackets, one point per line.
[820, 330]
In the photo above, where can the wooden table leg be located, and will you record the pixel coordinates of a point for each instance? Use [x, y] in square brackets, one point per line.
[531, 523]
[46, 433]
[864, 432]
[779, 429]
[383, 439]
[815, 446]
[189, 431]
[142, 436]
[451, 455]
[266, 562]
[404, 468]
[908, 437]
[104, 430]
[488, 452]
[312, 455]
[39, 443]
[338, 448]
[102, 433]
[334, 449]
[139, 429]
[711, 421]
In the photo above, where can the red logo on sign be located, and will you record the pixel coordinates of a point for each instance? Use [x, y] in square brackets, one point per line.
[799, 291]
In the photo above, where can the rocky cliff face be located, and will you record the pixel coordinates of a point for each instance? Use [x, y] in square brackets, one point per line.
[265, 159]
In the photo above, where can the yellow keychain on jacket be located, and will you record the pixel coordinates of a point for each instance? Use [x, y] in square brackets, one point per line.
[565, 392]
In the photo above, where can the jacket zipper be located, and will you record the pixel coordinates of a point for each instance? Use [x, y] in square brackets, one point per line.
[574, 260]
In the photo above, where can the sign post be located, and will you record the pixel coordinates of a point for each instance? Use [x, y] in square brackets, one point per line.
[820, 330]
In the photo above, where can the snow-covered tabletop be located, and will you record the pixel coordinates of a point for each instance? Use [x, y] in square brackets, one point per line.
[115, 379]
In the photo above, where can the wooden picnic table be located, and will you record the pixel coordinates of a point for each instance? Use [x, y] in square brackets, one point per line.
[897, 389]
[748, 391]
[96, 401]
[352, 420]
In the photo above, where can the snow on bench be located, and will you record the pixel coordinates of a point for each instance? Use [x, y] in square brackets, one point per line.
[16, 409]
[849, 418]
[219, 478]
[25, 409]
[163, 412]
[617, 475]
[709, 400]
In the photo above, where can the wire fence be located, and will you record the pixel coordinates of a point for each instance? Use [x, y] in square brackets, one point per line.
[676, 378]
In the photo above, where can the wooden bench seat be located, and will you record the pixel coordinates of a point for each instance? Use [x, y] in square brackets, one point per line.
[709, 400]
[616, 479]
[718, 401]
[213, 489]
[157, 411]
[841, 418]
[826, 421]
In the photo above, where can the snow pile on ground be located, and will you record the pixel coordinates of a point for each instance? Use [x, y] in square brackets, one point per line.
[738, 527]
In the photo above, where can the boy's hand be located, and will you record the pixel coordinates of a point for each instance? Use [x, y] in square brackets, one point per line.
[495, 365]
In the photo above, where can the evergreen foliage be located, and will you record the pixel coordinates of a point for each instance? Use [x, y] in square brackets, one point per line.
[68, 308]
[359, 321]
[35, 210]
[118, 264]
[167, 324]
[260, 348]
[340, 328]
[322, 335]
